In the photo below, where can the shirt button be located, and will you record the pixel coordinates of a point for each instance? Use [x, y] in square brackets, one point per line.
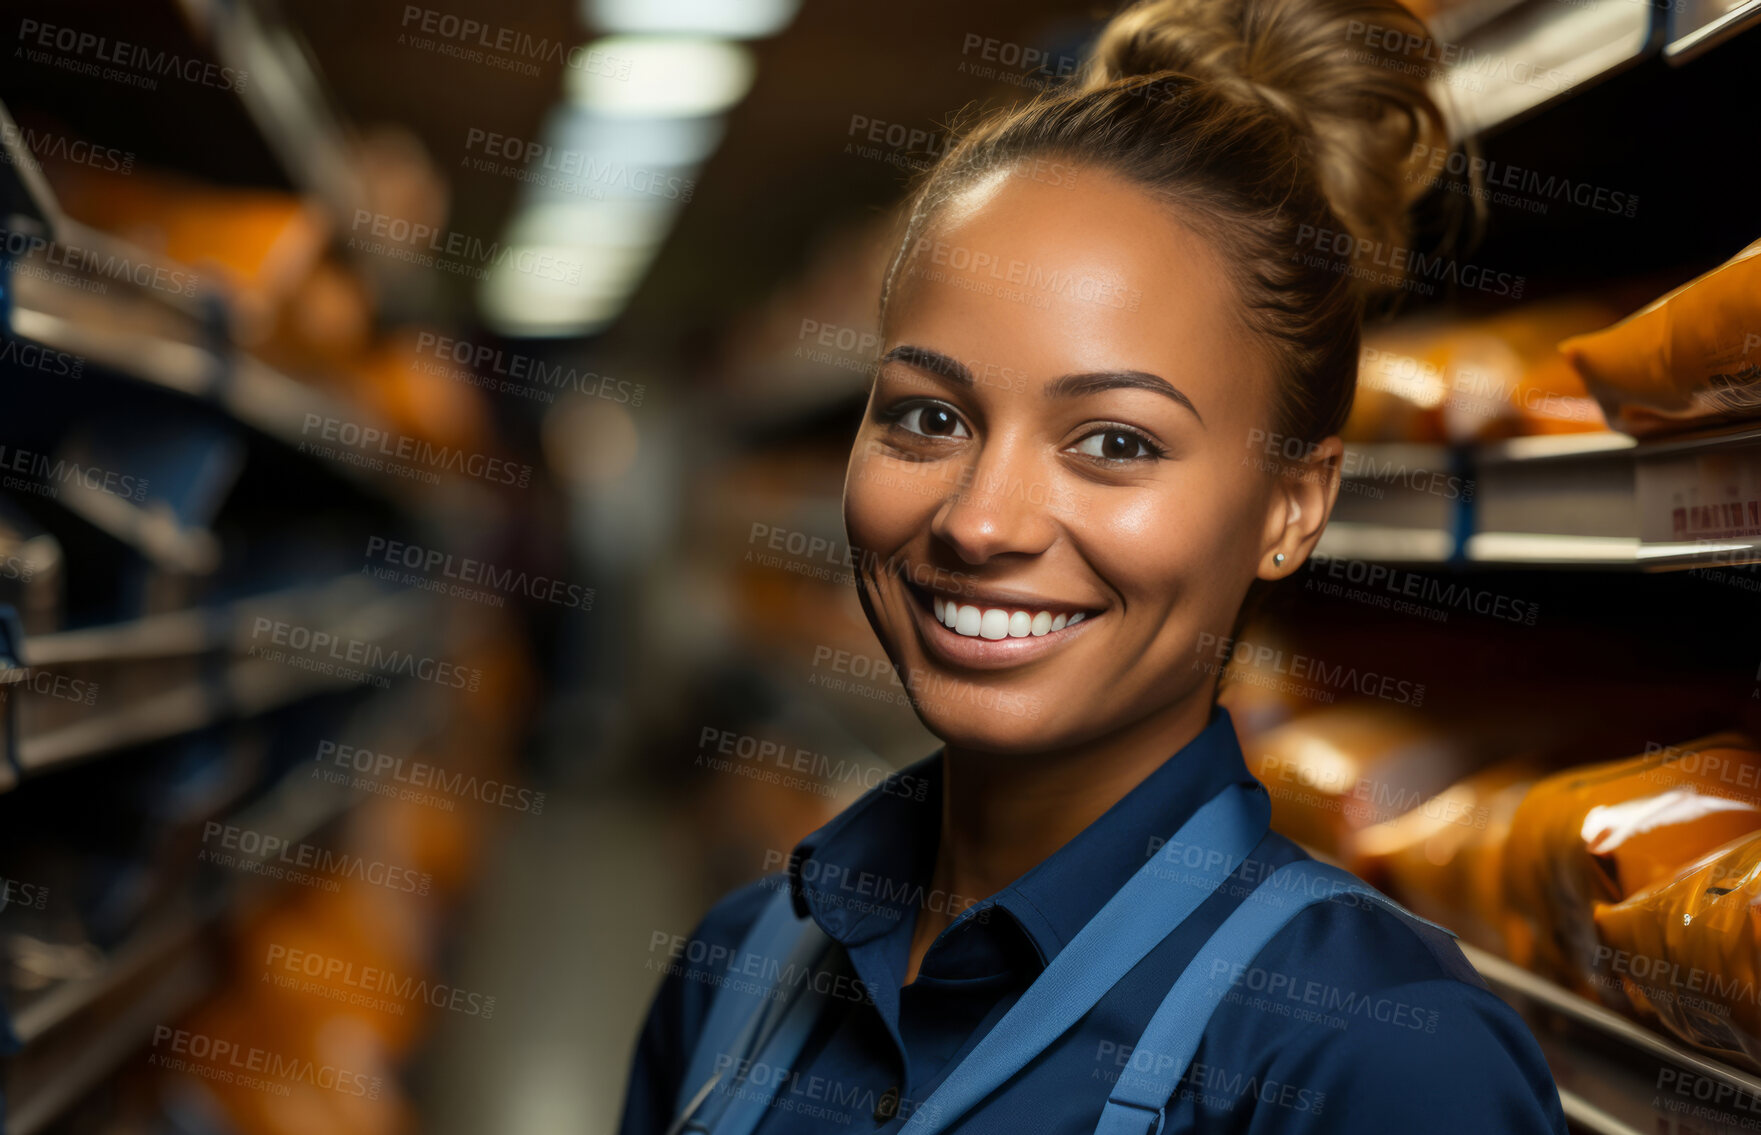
[888, 1106]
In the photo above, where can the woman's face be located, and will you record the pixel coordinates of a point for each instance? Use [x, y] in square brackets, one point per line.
[1067, 443]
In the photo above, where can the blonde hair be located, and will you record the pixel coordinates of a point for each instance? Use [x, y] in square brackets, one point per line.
[1283, 129]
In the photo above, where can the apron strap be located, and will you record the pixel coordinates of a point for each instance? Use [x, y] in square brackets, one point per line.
[1159, 1061]
[751, 1093]
[744, 1016]
[1184, 872]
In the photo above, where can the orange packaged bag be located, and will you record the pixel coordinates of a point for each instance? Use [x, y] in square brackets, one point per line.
[1445, 858]
[1507, 378]
[1689, 358]
[1602, 833]
[1686, 952]
[1433, 379]
[1337, 771]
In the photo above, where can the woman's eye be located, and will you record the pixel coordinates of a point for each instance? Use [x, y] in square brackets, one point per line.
[1116, 445]
[932, 421]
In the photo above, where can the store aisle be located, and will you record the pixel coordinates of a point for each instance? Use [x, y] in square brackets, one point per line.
[556, 930]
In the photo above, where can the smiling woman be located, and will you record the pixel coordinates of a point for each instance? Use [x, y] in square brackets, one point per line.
[1111, 487]
[1043, 559]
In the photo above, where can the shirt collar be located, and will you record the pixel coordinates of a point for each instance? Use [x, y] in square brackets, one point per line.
[864, 873]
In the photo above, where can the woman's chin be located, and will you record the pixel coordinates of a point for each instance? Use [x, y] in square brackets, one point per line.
[1003, 724]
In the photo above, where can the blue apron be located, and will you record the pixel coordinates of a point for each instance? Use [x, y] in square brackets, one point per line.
[762, 1026]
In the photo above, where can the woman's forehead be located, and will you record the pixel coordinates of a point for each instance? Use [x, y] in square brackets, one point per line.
[1053, 279]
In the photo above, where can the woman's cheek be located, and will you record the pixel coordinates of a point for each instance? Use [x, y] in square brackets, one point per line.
[1182, 532]
[1133, 522]
[876, 511]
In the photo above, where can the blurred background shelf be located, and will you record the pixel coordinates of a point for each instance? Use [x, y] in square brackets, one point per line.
[223, 680]
[115, 1015]
[285, 97]
[187, 330]
[77, 1031]
[1696, 26]
[1519, 60]
[246, 389]
[1581, 501]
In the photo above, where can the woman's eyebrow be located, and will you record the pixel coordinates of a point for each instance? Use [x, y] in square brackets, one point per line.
[932, 362]
[1078, 385]
[1068, 386]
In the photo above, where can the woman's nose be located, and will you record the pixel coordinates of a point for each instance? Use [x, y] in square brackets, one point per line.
[1001, 502]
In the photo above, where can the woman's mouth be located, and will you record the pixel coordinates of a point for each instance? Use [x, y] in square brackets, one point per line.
[999, 622]
[994, 634]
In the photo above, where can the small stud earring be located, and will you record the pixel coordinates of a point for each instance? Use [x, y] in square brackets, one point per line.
[1278, 559]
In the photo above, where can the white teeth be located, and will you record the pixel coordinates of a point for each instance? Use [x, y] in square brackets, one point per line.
[998, 622]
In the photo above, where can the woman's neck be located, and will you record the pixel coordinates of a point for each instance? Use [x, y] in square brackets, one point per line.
[1003, 815]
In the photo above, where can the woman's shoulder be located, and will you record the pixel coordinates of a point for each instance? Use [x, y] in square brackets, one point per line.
[1349, 933]
[1382, 1011]
[1383, 1025]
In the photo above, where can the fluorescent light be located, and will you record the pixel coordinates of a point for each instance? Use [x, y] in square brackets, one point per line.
[604, 248]
[519, 304]
[621, 223]
[636, 141]
[736, 19]
[662, 76]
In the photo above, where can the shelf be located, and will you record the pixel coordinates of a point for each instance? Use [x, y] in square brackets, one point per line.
[1600, 500]
[1536, 53]
[232, 686]
[100, 1023]
[23, 191]
[1697, 26]
[1516, 981]
[248, 391]
[1611, 1071]
[285, 99]
[40, 1015]
[257, 395]
[75, 1034]
[153, 532]
[170, 635]
[1605, 1066]
[179, 342]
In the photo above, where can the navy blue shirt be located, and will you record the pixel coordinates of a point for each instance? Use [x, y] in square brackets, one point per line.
[1351, 1019]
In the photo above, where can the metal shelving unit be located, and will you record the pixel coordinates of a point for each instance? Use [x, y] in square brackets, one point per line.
[1611, 1070]
[178, 342]
[1603, 508]
[285, 98]
[1696, 26]
[247, 390]
[1503, 62]
[234, 685]
[179, 662]
[79, 1031]
[1601, 500]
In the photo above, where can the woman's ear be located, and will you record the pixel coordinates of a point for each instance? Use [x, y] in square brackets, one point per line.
[1303, 492]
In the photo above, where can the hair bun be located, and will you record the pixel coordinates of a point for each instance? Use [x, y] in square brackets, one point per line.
[1345, 75]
